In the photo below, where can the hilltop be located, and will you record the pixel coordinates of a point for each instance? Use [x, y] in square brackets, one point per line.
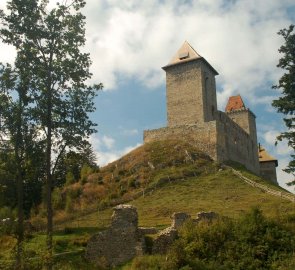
[160, 178]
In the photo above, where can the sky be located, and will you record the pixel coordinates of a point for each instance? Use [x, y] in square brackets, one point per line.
[130, 40]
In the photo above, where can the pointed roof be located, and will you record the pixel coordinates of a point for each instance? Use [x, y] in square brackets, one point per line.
[186, 53]
[264, 156]
[235, 103]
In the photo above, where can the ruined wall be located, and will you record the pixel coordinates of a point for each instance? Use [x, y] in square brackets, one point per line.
[233, 143]
[120, 242]
[203, 136]
[268, 171]
[191, 93]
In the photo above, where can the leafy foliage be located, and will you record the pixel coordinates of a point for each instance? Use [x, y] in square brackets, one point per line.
[286, 103]
[54, 71]
[253, 242]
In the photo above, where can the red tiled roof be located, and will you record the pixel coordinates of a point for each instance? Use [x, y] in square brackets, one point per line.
[235, 103]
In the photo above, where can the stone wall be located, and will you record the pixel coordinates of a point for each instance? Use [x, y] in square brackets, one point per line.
[119, 243]
[246, 120]
[234, 143]
[123, 240]
[203, 136]
[222, 140]
[268, 171]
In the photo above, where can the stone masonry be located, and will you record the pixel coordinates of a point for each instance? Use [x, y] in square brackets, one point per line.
[123, 240]
[192, 113]
[120, 242]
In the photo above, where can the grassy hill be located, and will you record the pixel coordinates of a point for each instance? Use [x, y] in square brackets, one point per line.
[158, 178]
[165, 177]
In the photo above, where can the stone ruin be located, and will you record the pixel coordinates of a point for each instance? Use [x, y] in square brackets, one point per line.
[124, 240]
[120, 242]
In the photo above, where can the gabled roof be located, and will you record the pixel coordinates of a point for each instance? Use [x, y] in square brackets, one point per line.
[186, 53]
[264, 156]
[235, 103]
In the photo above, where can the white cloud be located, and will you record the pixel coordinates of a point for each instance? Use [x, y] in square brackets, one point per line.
[134, 39]
[282, 147]
[108, 142]
[104, 149]
[106, 157]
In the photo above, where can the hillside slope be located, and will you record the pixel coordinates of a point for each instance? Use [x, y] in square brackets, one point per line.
[165, 177]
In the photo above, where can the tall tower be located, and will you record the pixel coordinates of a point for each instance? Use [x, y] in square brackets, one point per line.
[190, 88]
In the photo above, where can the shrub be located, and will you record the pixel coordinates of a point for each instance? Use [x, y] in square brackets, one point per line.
[153, 262]
[7, 220]
[93, 193]
[58, 201]
[253, 242]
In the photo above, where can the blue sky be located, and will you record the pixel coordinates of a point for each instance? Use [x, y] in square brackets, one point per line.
[130, 40]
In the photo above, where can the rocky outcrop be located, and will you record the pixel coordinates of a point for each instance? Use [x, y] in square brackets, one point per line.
[208, 216]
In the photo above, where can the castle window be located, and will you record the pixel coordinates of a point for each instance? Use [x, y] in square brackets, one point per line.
[183, 55]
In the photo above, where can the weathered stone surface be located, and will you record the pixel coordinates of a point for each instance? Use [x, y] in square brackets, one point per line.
[164, 240]
[151, 230]
[124, 216]
[118, 244]
[209, 216]
[178, 219]
[167, 236]
[123, 240]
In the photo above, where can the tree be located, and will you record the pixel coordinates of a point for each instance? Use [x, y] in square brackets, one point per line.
[17, 138]
[286, 103]
[49, 42]
[14, 119]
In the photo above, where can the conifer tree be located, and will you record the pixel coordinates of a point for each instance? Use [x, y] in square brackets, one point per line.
[286, 102]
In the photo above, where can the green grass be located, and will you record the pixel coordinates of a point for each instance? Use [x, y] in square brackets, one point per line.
[68, 240]
[173, 185]
[221, 192]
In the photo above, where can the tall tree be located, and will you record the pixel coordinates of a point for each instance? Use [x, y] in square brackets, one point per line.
[286, 103]
[50, 41]
[18, 135]
[12, 124]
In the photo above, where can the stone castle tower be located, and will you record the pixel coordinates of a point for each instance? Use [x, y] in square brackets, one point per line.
[192, 113]
[191, 91]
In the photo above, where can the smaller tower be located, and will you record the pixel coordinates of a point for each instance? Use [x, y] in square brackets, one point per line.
[268, 165]
[243, 116]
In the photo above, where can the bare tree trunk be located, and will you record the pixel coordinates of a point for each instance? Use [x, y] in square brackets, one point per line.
[49, 263]
[20, 193]
[20, 221]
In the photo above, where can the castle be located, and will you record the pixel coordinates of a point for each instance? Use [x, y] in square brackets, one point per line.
[192, 114]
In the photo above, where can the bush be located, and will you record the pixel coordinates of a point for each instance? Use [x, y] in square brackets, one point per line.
[253, 242]
[152, 262]
[58, 201]
[7, 220]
